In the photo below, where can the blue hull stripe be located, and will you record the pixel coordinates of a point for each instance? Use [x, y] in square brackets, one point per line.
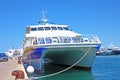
[97, 47]
[36, 53]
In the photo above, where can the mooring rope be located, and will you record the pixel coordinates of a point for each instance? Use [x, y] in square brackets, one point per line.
[59, 72]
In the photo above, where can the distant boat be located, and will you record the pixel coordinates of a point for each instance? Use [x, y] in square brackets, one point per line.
[14, 53]
[114, 49]
[110, 50]
[58, 44]
[103, 51]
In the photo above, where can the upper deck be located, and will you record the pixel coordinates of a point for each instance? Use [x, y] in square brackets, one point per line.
[48, 34]
[47, 30]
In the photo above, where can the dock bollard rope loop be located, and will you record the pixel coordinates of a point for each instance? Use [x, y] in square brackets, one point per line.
[59, 72]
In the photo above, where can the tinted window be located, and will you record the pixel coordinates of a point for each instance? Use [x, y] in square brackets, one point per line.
[48, 40]
[65, 39]
[54, 28]
[60, 28]
[74, 39]
[41, 40]
[40, 28]
[33, 29]
[47, 28]
[68, 39]
[65, 28]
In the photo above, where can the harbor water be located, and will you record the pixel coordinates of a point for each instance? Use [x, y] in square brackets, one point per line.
[104, 68]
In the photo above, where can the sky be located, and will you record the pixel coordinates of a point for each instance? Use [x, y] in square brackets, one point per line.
[100, 17]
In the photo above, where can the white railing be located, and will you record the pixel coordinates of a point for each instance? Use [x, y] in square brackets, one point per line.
[90, 38]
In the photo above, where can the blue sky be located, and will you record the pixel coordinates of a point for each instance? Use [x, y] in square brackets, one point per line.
[101, 17]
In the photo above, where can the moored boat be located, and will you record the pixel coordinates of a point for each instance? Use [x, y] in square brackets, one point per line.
[59, 44]
[14, 53]
[110, 50]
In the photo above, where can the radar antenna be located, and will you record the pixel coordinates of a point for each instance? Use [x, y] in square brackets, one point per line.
[44, 19]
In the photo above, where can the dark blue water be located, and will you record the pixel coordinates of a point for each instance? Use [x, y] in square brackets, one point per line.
[104, 68]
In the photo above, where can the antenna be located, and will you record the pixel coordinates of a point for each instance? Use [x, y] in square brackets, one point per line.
[44, 19]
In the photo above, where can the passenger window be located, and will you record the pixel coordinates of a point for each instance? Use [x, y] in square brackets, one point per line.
[65, 39]
[41, 40]
[68, 39]
[47, 28]
[40, 28]
[48, 40]
[33, 29]
[54, 28]
[74, 39]
[65, 28]
[60, 28]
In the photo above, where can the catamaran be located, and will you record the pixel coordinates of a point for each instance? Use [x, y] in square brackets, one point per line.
[59, 44]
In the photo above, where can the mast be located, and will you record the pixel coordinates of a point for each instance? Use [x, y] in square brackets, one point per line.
[44, 19]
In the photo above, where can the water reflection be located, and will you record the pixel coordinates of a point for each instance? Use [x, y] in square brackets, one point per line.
[72, 74]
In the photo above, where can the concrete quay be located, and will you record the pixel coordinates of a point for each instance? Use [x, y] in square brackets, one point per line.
[6, 69]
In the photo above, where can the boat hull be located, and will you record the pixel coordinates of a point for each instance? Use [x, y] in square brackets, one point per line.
[71, 55]
[65, 55]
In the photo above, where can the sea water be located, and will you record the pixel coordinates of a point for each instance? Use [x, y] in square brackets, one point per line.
[104, 68]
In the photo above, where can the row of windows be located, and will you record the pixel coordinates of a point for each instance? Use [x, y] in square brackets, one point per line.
[49, 28]
[50, 40]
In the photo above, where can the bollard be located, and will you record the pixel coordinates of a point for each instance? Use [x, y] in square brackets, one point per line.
[19, 62]
[19, 74]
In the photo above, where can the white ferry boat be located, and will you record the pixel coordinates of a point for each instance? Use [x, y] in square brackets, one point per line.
[59, 44]
[14, 53]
